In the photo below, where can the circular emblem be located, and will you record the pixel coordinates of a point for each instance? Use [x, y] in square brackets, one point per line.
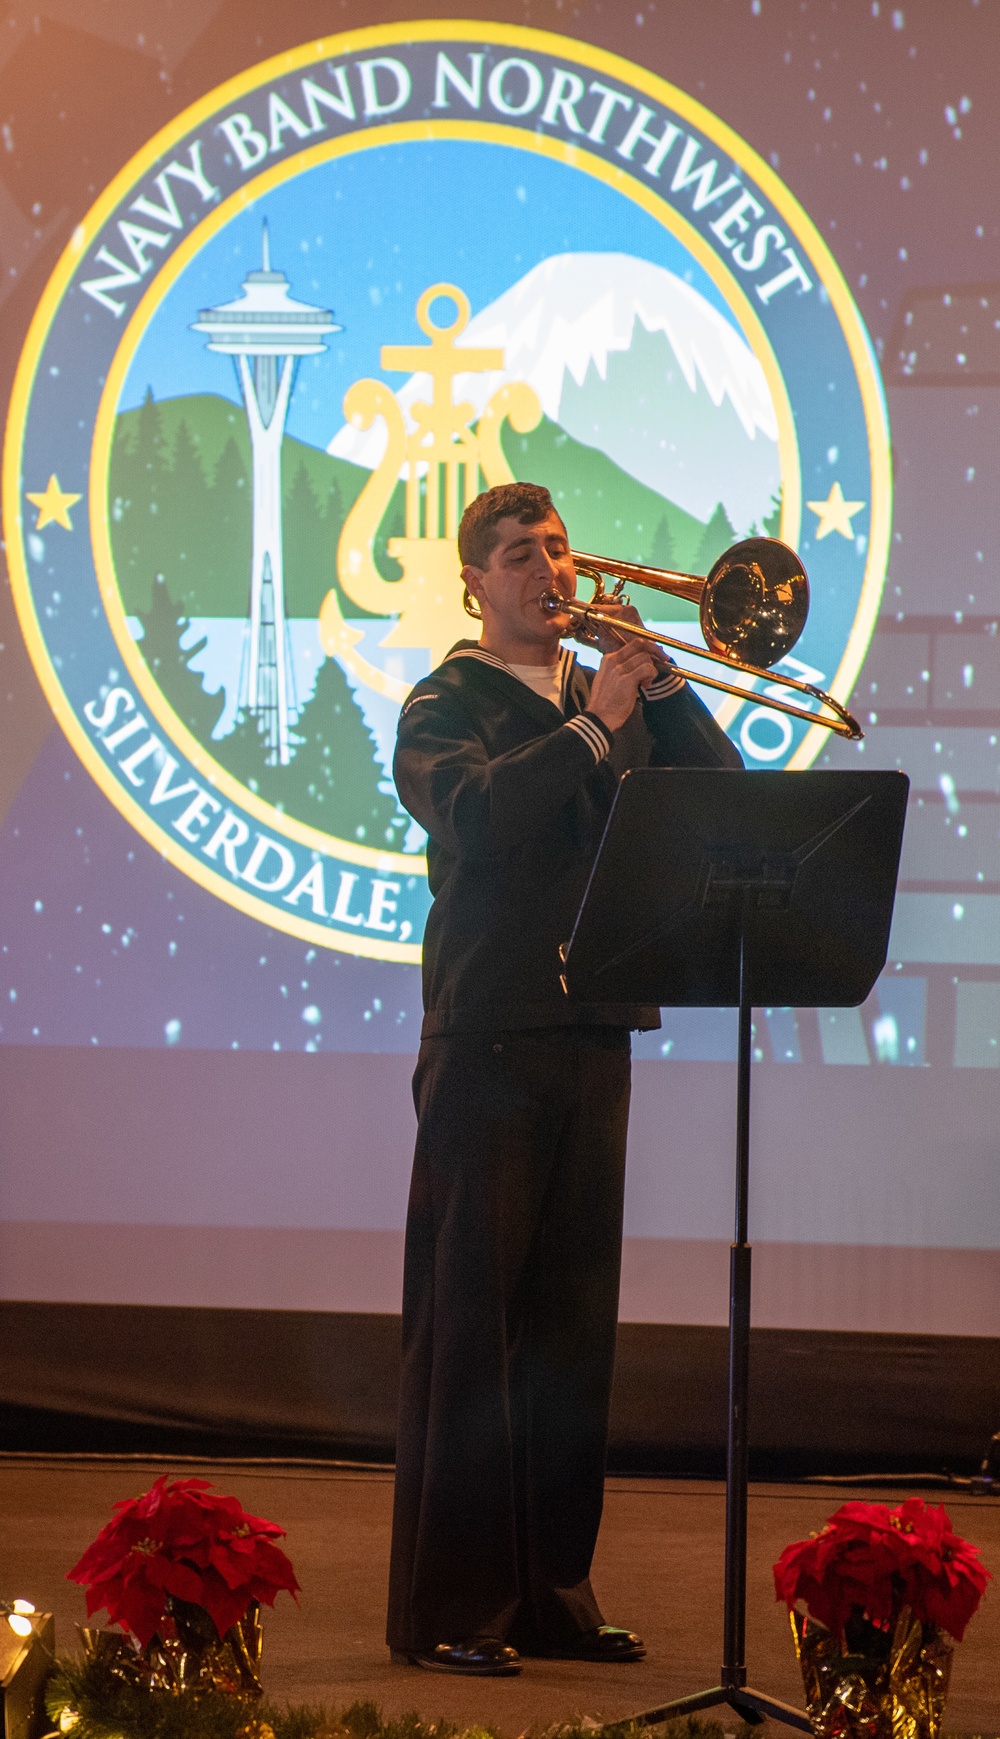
[305, 325]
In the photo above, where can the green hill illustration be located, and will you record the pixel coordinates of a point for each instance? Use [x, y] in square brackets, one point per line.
[180, 506]
[180, 518]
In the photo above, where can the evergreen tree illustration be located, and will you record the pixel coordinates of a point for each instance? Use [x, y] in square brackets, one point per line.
[313, 517]
[333, 510]
[719, 533]
[244, 752]
[164, 626]
[308, 576]
[333, 515]
[139, 469]
[771, 525]
[228, 540]
[186, 515]
[662, 553]
[332, 781]
[150, 445]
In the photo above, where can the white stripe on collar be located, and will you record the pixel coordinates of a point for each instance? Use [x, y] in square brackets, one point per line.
[477, 652]
[566, 662]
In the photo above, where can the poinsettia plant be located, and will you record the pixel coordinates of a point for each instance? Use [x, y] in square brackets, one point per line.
[870, 1561]
[182, 1540]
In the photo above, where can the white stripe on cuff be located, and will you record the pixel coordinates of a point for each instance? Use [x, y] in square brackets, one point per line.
[670, 683]
[591, 733]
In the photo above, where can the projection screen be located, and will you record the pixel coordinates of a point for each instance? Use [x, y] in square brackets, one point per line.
[703, 270]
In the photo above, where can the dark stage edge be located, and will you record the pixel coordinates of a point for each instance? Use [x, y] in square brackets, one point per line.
[298, 1384]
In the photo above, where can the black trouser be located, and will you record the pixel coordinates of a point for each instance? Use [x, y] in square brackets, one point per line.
[510, 1304]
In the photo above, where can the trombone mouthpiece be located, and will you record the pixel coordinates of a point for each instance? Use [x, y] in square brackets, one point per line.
[552, 603]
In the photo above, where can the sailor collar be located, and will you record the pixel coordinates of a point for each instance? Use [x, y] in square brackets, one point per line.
[529, 696]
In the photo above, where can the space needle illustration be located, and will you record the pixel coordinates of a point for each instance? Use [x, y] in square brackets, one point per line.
[265, 331]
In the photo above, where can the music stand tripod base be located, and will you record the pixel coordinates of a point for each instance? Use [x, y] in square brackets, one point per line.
[713, 888]
[752, 1706]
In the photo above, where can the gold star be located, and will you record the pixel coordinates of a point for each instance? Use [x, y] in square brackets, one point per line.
[53, 505]
[835, 514]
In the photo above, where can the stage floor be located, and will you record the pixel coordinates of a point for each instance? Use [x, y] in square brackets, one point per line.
[658, 1569]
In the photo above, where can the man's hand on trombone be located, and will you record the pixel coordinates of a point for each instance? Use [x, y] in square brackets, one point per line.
[627, 665]
[629, 616]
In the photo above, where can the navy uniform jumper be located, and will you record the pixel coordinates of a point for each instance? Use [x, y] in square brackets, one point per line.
[513, 1237]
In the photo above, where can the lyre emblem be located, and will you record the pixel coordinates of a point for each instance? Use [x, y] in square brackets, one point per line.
[443, 459]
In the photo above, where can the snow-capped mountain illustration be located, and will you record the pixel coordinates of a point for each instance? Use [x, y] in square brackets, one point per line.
[628, 358]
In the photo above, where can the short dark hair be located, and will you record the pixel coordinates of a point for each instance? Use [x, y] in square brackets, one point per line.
[479, 532]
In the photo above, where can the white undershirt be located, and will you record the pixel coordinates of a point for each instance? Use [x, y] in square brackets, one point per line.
[545, 679]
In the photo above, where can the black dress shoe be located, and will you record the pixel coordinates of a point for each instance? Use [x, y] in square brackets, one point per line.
[482, 1656]
[605, 1643]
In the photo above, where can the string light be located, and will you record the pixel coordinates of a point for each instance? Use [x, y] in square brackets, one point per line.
[19, 1616]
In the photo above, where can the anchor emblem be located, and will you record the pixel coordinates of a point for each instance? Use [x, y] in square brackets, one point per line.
[443, 459]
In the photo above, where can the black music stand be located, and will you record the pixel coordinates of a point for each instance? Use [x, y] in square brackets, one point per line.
[718, 888]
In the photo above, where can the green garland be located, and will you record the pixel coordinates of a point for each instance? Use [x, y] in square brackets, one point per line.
[87, 1701]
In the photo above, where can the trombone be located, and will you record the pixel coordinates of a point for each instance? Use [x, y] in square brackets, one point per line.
[752, 607]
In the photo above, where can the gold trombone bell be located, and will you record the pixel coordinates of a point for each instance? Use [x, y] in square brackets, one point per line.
[752, 607]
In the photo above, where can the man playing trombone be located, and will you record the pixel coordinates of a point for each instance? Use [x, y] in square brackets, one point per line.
[509, 755]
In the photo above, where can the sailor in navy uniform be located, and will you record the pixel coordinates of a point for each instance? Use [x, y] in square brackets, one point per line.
[509, 755]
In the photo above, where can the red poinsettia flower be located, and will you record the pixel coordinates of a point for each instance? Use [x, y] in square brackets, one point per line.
[943, 1578]
[875, 1560]
[178, 1540]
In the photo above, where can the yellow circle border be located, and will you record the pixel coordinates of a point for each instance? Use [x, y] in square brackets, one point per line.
[262, 73]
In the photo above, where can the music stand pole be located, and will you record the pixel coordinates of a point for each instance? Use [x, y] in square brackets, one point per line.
[733, 1689]
[734, 1673]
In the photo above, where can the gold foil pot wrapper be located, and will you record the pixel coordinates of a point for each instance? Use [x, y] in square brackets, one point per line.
[115, 1650]
[191, 1662]
[899, 1693]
